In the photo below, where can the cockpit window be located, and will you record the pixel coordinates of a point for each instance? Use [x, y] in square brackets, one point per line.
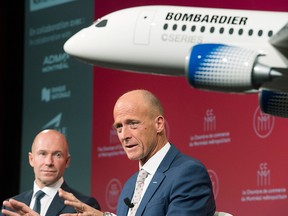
[102, 23]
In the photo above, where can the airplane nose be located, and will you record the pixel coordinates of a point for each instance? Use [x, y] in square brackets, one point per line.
[76, 45]
[70, 46]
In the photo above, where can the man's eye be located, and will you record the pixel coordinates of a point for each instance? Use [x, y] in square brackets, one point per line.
[133, 125]
[58, 155]
[118, 128]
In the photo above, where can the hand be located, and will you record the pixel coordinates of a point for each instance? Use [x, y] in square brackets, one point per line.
[21, 209]
[81, 208]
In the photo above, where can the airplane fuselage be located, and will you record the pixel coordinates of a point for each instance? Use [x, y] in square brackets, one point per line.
[157, 39]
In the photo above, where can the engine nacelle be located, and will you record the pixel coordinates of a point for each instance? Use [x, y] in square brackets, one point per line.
[273, 96]
[219, 67]
[274, 102]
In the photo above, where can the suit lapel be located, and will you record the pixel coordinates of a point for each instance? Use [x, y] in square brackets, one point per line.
[127, 192]
[26, 198]
[57, 203]
[153, 186]
[157, 179]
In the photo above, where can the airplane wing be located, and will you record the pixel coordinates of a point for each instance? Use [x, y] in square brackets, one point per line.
[280, 39]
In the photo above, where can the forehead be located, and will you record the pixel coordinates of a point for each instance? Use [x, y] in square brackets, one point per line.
[129, 110]
[49, 142]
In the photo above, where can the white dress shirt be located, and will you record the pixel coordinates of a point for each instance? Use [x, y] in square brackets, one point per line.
[50, 192]
[151, 166]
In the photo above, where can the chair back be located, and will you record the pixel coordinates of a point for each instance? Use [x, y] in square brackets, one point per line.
[222, 214]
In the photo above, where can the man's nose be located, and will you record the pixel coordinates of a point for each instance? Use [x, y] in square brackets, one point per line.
[49, 160]
[125, 133]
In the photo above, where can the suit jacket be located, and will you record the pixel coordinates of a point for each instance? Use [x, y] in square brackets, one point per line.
[57, 205]
[180, 186]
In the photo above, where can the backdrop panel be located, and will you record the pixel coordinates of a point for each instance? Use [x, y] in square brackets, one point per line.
[243, 149]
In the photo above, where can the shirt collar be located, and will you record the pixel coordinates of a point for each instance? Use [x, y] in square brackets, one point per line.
[153, 163]
[50, 190]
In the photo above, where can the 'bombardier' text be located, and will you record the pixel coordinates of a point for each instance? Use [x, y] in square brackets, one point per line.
[234, 20]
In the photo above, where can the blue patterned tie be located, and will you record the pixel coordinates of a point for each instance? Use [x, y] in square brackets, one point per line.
[142, 175]
[37, 206]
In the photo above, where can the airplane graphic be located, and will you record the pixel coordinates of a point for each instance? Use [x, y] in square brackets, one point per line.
[225, 50]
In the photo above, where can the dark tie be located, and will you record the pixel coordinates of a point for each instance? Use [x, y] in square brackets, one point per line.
[142, 175]
[37, 206]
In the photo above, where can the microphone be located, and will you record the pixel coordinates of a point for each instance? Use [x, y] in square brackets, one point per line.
[128, 202]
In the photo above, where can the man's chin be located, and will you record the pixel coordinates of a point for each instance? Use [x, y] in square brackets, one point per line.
[48, 181]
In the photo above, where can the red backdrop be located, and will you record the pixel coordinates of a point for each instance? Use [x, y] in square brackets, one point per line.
[244, 150]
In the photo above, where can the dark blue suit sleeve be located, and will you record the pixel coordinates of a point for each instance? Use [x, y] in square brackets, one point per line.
[191, 193]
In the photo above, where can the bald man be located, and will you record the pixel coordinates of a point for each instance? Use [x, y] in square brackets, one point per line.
[174, 183]
[49, 157]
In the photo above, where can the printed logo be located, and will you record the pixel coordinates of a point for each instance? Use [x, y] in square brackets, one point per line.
[215, 182]
[41, 4]
[55, 62]
[113, 136]
[55, 123]
[264, 191]
[114, 149]
[55, 93]
[263, 123]
[209, 120]
[263, 175]
[113, 191]
[209, 137]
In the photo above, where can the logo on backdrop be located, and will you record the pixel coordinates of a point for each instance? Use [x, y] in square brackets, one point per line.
[55, 123]
[263, 123]
[215, 182]
[55, 93]
[264, 190]
[209, 120]
[42, 4]
[263, 175]
[209, 136]
[114, 147]
[113, 138]
[113, 190]
[55, 62]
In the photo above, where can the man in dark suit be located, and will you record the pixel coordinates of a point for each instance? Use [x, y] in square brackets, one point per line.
[180, 186]
[174, 184]
[49, 158]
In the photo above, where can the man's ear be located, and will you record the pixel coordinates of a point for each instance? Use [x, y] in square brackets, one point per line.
[31, 159]
[68, 161]
[160, 123]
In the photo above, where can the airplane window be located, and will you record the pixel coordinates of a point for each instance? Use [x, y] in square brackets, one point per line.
[165, 26]
[193, 28]
[202, 29]
[270, 33]
[221, 31]
[212, 29]
[240, 32]
[183, 27]
[102, 23]
[174, 27]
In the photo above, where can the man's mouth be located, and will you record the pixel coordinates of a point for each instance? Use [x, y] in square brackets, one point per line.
[130, 146]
